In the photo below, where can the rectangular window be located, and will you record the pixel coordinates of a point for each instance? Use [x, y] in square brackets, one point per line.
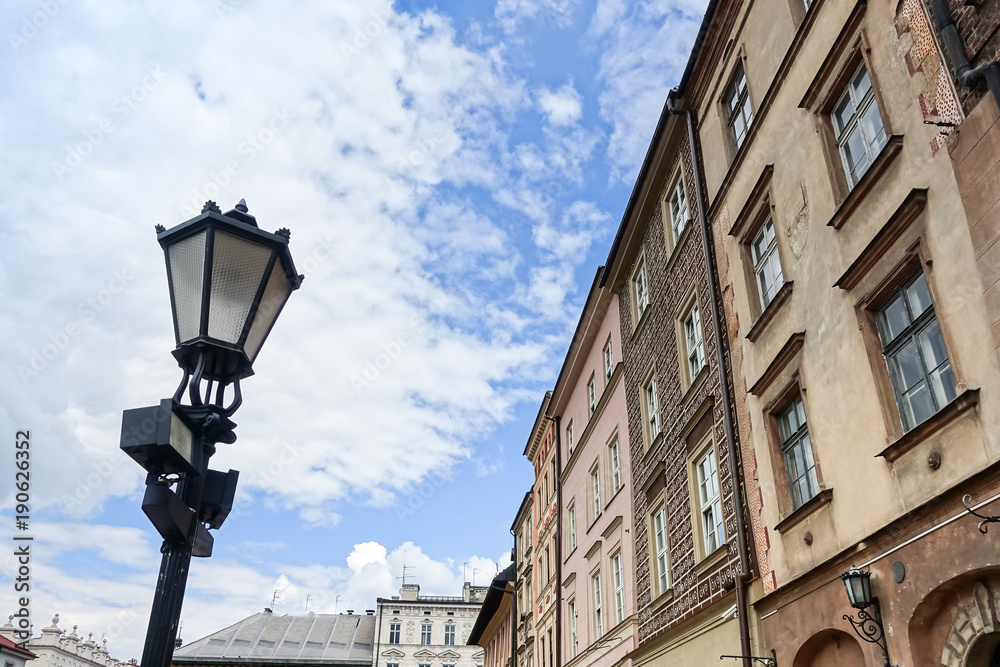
[572, 528]
[797, 451]
[618, 578]
[595, 491]
[662, 557]
[394, 633]
[712, 530]
[766, 264]
[739, 115]
[609, 361]
[598, 610]
[592, 395]
[425, 633]
[651, 404]
[858, 125]
[914, 351]
[616, 468]
[640, 292]
[678, 210]
[573, 643]
[548, 564]
[449, 635]
[694, 342]
[569, 438]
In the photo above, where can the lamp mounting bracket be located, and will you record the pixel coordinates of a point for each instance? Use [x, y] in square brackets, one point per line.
[869, 628]
[983, 525]
[769, 662]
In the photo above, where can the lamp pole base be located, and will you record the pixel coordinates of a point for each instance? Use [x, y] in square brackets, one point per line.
[167, 602]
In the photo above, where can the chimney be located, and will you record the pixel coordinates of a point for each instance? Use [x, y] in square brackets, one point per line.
[369, 612]
[410, 591]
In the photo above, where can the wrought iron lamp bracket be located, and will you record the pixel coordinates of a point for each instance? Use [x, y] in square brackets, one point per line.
[983, 527]
[869, 628]
[767, 662]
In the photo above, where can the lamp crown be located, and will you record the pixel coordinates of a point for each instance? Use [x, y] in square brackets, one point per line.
[242, 206]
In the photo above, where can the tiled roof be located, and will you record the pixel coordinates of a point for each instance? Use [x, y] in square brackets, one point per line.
[10, 645]
[311, 639]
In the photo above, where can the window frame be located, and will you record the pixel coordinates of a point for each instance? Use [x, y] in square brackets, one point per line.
[871, 150]
[674, 233]
[426, 631]
[597, 597]
[571, 524]
[592, 395]
[609, 361]
[397, 628]
[688, 375]
[657, 584]
[618, 585]
[615, 465]
[705, 448]
[449, 629]
[759, 263]
[570, 443]
[574, 638]
[729, 113]
[650, 409]
[639, 306]
[595, 492]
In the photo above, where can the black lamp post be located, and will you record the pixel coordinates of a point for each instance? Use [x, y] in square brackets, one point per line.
[228, 282]
[869, 625]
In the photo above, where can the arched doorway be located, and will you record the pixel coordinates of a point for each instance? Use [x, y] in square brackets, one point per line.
[830, 648]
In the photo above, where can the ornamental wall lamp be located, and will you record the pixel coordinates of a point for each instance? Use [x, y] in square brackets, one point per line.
[868, 626]
[228, 282]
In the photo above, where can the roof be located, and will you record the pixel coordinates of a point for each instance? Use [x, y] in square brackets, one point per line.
[538, 430]
[493, 599]
[528, 498]
[312, 639]
[10, 645]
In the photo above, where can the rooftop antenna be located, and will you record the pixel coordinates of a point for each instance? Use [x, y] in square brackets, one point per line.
[308, 597]
[474, 570]
[465, 575]
[405, 572]
[274, 597]
[336, 603]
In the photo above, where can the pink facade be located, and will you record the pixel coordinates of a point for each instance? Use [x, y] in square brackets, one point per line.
[597, 579]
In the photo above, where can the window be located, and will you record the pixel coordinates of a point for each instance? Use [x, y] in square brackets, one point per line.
[609, 361]
[392, 664]
[797, 452]
[592, 395]
[858, 126]
[595, 491]
[569, 438]
[548, 564]
[572, 528]
[712, 530]
[694, 344]
[662, 561]
[545, 485]
[616, 467]
[573, 643]
[618, 579]
[394, 632]
[552, 662]
[449, 635]
[640, 292]
[652, 410]
[739, 115]
[914, 351]
[598, 610]
[425, 633]
[678, 209]
[766, 264]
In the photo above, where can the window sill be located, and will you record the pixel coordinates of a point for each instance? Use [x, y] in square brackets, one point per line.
[695, 386]
[770, 312]
[893, 146]
[821, 499]
[958, 406]
[676, 250]
[711, 560]
[662, 599]
[653, 446]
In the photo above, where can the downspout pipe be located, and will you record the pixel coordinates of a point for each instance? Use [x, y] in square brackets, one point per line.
[741, 542]
[961, 68]
[558, 533]
[514, 606]
[378, 634]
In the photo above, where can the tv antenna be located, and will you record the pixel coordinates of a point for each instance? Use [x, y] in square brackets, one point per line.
[406, 569]
[308, 597]
[276, 597]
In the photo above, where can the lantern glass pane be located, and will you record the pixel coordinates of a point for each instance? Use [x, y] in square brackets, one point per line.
[181, 437]
[238, 267]
[187, 275]
[275, 295]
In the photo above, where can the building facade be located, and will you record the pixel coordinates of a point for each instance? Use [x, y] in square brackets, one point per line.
[543, 452]
[494, 628]
[851, 180]
[428, 631]
[12, 654]
[54, 647]
[597, 563]
[523, 529]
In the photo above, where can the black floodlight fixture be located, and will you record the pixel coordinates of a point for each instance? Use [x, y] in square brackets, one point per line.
[228, 282]
[859, 587]
[217, 497]
[160, 438]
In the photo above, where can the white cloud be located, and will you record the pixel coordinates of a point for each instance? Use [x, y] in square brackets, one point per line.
[512, 13]
[562, 106]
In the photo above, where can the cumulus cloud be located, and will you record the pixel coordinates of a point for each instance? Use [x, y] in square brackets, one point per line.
[561, 106]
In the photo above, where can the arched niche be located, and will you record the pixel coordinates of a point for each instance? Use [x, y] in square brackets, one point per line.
[830, 648]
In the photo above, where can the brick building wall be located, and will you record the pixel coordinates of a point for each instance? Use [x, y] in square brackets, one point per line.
[657, 340]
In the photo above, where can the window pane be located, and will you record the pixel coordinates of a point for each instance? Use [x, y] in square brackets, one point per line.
[874, 130]
[855, 155]
[894, 319]
[861, 83]
[918, 404]
[907, 367]
[918, 296]
[842, 113]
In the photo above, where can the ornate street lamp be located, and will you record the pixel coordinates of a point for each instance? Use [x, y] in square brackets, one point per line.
[228, 282]
[868, 626]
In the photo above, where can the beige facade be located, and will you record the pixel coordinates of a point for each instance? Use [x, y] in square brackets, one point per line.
[854, 226]
[523, 529]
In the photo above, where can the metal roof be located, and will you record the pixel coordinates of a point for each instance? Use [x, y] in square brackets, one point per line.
[313, 639]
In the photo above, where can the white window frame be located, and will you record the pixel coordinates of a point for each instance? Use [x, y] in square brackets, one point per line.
[713, 531]
[618, 580]
[640, 291]
[766, 263]
[592, 395]
[609, 361]
[736, 103]
[426, 630]
[570, 444]
[614, 457]
[872, 139]
[694, 341]
[652, 405]
[595, 491]
[449, 632]
[572, 528]
[677, 208]
[661, 548]
[595, 583]
[573, 637]
[395, 631]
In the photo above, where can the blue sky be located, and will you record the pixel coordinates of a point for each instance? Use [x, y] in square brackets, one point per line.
[452, 174]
